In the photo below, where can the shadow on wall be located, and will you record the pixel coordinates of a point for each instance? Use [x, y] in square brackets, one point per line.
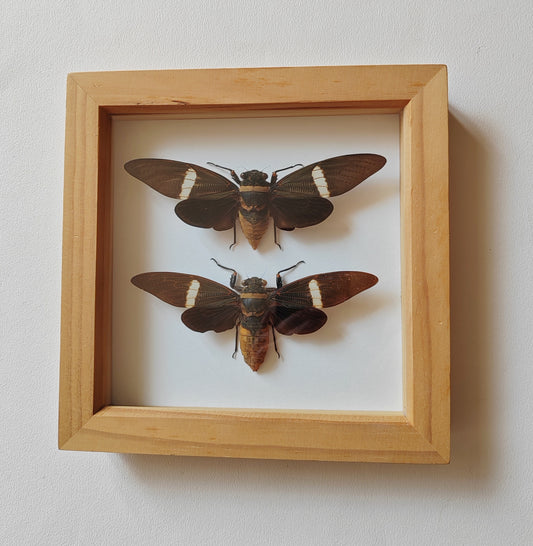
[474, 445]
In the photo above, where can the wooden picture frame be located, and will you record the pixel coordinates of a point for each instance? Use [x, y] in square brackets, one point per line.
[88, 421]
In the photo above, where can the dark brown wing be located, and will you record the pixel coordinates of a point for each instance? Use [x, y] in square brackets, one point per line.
[330, 177]
[297, 321]
[177, 179]
[296, 307]
[294, 211]
[323, 290]
[217, 211]
[210, 305]
[218, 318]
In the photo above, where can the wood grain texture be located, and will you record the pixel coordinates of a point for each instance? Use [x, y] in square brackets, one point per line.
[241, 89]
[86, 420]
[425, 261]
[79, 262]
[340, 436]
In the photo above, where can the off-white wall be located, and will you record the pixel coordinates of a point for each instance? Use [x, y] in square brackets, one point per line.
[485, 495]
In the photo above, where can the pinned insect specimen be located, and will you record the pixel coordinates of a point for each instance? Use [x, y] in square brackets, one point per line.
[252, 308]
[210, 200]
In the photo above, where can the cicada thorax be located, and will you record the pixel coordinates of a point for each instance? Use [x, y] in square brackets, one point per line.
[254, 325]
[254, 205]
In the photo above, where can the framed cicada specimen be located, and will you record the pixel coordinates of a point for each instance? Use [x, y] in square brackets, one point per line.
[370, 385]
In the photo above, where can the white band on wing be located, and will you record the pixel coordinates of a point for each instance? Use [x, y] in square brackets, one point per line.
[320, 181]
[188, 183]
[192, 293]
[315, 294]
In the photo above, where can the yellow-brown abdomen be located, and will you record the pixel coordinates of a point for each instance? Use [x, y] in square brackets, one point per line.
[253, 347]
[253, 226]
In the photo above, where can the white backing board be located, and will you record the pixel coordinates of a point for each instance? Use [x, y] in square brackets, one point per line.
[352, 363]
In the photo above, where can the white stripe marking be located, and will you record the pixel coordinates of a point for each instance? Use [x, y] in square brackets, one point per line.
[320, 181]
[315, 294]
[192, 293]
[188, 183]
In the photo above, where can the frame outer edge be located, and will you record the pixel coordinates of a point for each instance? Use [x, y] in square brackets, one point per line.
[93, 95]
[441, 240]
[425, 263]
[79, 263]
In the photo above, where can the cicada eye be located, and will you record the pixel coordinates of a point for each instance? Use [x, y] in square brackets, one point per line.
[263, 283]
[264, 175]
[243, 175]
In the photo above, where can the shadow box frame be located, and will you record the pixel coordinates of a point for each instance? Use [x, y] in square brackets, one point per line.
[87, 419]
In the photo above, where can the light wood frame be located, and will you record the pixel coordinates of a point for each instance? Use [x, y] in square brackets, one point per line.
[87, 421]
